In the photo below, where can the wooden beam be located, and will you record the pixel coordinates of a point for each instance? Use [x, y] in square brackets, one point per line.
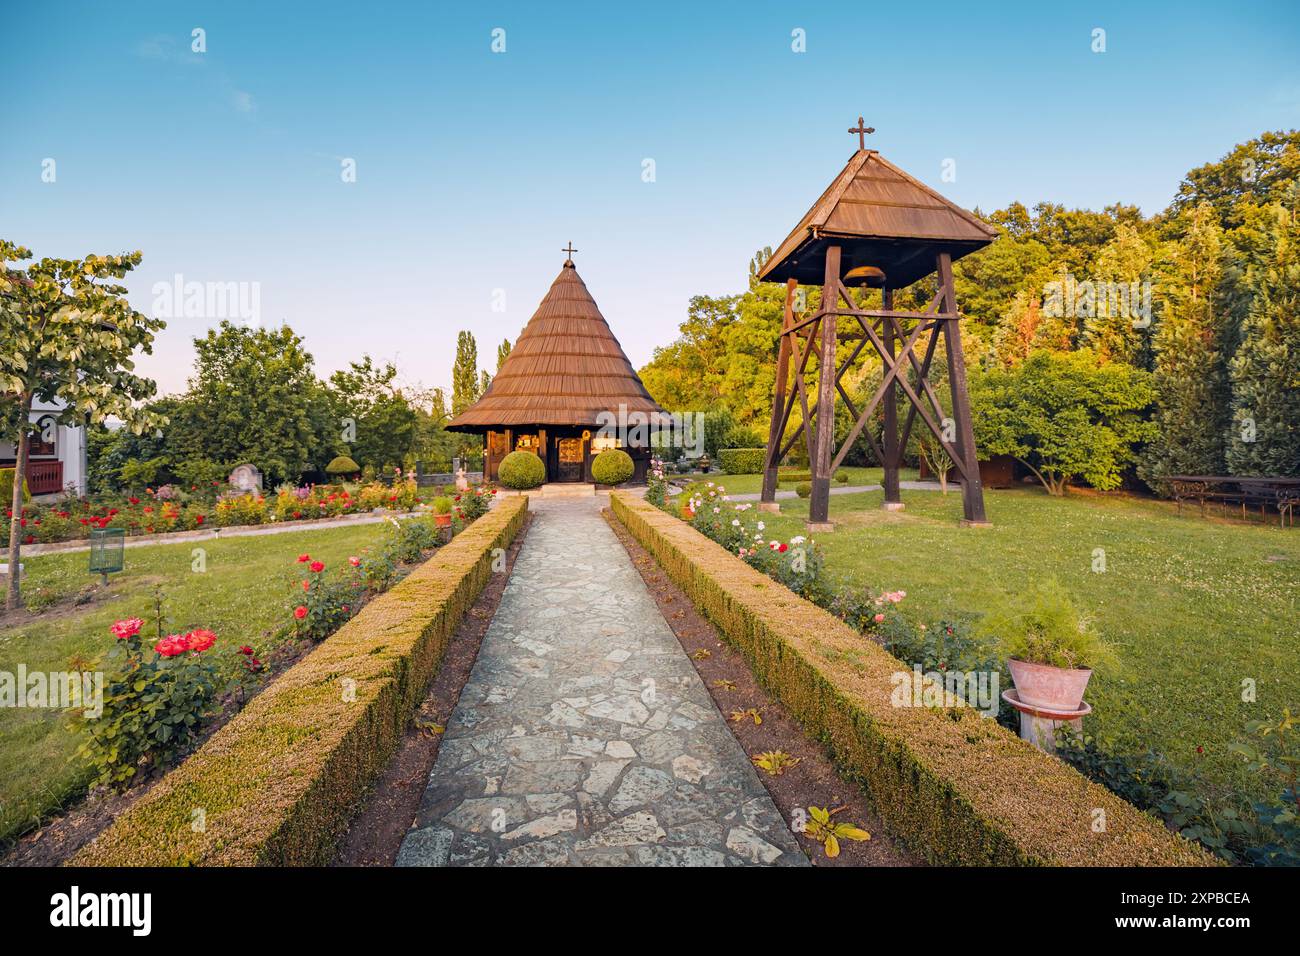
[972, 491]
[891, 457]
[819, 502]
[777, 426]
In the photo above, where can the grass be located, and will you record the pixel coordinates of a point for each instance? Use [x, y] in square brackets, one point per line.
[243, 595]
[753, 484]
[1194, 606]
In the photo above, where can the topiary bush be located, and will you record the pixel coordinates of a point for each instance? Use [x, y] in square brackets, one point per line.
[741, 461]
[803, 489]
[521, 470]
[841, 477]
[342, 465]
[612, 467]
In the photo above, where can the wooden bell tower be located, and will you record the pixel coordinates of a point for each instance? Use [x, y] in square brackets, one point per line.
[874, 227]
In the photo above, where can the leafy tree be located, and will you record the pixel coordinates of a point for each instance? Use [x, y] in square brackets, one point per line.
[383, 421]
[464, 374]
[255, 397]
[1265, 371]
[503, 353]
[67, 332]
[1191, 388]
[1065, 416]
[1260, 172]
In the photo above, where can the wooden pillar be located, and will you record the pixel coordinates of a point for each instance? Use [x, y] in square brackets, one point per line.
[972, 490]
[893, 455]
[767, 500]
[824, 442]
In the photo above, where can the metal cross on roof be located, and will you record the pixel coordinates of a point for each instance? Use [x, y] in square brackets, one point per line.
[569, 250]
[862, 130]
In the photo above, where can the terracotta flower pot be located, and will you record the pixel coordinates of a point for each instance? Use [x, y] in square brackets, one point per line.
[442, 521]
[1052, 688]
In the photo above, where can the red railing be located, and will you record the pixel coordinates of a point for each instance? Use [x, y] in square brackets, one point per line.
[44, 477]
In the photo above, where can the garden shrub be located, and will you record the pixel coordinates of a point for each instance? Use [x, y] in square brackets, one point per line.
[803, 489]
[279, 781]
[841, 477]
[521, 470]
[241, 510]
[342, 465]
[153, 708]
[742, 461]
[613, 466]
[945, 780]
[7, 489]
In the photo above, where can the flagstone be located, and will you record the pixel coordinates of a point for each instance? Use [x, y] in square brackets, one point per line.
[584, 735]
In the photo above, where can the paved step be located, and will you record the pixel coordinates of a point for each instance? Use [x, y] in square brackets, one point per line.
[567, 489]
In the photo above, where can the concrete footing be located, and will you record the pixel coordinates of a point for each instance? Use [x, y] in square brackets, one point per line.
[819, 527]
[771, 507]
[893, 506]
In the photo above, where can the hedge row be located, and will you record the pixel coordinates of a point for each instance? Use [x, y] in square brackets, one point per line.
[742, 461]
[958, 788]
[279, 782]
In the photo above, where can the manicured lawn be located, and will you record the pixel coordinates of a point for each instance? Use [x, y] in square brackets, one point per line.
[1194, 606]
[753, 484]
[243, 595]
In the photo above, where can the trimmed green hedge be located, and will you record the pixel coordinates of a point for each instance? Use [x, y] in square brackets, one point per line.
[521, 470]
[279, 782]
[957, 787]
[742, 461]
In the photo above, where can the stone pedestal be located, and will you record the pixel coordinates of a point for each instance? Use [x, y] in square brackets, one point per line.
[964, 523]
[1038, 726]
[819, 527]
[893, 506]
[771, 507]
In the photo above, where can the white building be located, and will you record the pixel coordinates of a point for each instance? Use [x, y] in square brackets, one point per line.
[57, 454]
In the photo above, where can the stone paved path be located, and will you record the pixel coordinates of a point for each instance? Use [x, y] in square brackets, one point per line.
[584, 735]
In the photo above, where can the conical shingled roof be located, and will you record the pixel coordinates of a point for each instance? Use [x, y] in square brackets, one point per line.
[879, 216]
[565, 369]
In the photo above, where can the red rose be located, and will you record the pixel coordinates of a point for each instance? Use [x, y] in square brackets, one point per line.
[200, 640]
[306, 585]
[318, 566]
[246, 651]
[300, 612]
[354, 561]
[129, 627]
[134, 500]
[304, 558]
[198, 519]
[172, 644]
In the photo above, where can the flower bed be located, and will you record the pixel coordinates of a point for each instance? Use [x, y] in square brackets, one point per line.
[278, 782]
[166, 509]
[951, 784]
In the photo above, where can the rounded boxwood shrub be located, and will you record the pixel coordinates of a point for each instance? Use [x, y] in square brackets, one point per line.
[612, 467]
[521, 470]
[841, 477]
[803, 489]
[342, 465]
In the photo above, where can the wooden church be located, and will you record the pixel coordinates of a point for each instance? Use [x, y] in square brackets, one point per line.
[563, 380]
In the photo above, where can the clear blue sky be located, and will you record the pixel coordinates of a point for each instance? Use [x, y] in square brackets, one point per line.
[475, 168]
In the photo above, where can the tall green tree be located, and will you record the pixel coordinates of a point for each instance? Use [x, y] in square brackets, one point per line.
[503, 353]
[1265, 371]
[255, 397]
[67, 333]
[1191, 386]
[376, 416]
[464, 373]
